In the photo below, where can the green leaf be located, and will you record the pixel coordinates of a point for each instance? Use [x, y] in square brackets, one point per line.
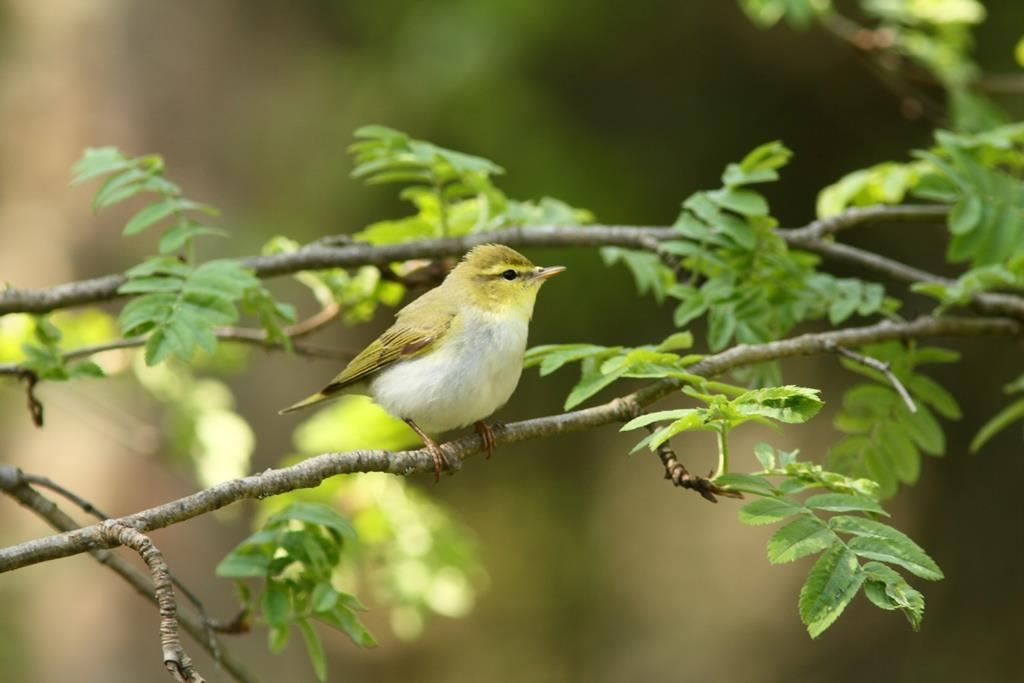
[344, 620]
[887, 589]
[314, 648]
[676, 342]
[554, 356]
[923, 428]
[743, 202]
[149, 285]
[831, 584]
[177, 235]
[85, 368]
[690, 420]
[844, 502]
[657, 416]
[769, 510]
[788, 403]
[315, 513]
[590, 384]
[159, 346]
[721, 326]
[799, 538]
[243, 565]
[746, 483]
[275, 603]
[966, 215]
[1000, 421]
[96, 162]
[877, 541]
[324, 597]
[151, 215]
[929, 390]
[277, 638]
[765, 455]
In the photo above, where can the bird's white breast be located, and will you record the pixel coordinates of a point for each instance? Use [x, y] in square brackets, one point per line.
[472, 372]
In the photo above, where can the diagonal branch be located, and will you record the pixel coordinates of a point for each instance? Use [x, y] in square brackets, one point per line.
[312, 471]
[989, 303]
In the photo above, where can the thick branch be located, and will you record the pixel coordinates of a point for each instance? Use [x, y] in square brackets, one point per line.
[312, 471]
[16, 485]
[319, 255]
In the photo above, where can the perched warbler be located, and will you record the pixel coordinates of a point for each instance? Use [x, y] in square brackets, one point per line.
[455, 354]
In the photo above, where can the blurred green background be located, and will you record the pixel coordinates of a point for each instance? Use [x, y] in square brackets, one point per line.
[598, 569]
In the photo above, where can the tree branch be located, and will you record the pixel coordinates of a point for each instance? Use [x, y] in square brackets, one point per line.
[15, 484]
[320, 255]
[989, 303]
[312, 471]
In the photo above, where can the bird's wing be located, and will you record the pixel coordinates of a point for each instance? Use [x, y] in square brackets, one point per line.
[411, 335]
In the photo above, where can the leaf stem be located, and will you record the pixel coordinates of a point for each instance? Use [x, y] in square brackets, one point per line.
[723, 452]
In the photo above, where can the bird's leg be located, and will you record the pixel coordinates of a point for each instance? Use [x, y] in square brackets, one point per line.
[487, 436]
[436, 453]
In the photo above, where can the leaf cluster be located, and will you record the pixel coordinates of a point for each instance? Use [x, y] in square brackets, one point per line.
[178, 302]
[44, 358]
[453, 192]
[742, 275]
[296, 554]
[884, 438]
[857, 549]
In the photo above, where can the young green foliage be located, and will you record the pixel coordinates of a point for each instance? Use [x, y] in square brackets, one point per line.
[179, 303]
[856, 548]
[742, 275]
[1003, 419]
[295, 554]
[884, 437]
[452, 191]
[46, 360]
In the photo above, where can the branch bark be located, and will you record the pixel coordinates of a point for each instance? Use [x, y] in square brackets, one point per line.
[321, 254]
[312, 471]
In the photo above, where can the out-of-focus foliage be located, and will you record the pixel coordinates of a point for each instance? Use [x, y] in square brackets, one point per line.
[884, 437]
[296, 554]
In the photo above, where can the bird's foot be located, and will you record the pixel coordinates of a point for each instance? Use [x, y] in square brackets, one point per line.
[440, 461]
[487, 436]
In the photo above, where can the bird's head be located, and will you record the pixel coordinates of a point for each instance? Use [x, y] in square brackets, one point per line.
[499, 279]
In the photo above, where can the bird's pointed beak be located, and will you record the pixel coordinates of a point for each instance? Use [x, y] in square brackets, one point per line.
[548, 272]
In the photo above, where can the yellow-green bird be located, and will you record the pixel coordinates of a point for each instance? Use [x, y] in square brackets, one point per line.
[455, 354]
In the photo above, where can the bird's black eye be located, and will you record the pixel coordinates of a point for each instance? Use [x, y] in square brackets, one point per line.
[510, 274]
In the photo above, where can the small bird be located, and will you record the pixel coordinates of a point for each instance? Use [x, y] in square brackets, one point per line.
[455, 354]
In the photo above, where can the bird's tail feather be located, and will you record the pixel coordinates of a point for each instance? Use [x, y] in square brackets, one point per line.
[318, 397]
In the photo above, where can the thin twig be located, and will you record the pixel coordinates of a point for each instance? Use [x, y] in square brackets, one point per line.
[47, 483]
[176, 660]
[880, 366]
[314, 470]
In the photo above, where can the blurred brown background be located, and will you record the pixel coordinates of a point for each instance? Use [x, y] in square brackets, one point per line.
[599, 570]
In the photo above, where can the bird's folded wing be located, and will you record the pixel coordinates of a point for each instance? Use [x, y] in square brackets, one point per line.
[399, 342]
